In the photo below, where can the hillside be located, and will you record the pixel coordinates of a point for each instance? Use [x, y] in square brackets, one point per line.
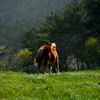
[82, 85]
[13, 10]
[17, 16]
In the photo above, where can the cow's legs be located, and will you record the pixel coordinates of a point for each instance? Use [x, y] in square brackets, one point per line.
[50, 68]
[38, 69]
[57, 65]
[45, 65]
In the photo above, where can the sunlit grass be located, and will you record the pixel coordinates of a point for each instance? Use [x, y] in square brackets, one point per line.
[82, 85]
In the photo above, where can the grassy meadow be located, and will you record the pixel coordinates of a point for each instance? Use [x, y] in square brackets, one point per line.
[82, 85]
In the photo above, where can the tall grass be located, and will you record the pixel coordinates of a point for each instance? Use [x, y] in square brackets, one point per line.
[82, 85]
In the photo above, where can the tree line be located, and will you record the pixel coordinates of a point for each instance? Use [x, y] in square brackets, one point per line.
[76, 30]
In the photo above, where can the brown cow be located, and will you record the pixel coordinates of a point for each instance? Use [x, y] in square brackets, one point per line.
[49, 55]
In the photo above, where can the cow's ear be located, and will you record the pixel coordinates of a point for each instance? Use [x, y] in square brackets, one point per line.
[56, 43]
[49, 43]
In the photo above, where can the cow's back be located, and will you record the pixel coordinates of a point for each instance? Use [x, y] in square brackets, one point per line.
[49, 54]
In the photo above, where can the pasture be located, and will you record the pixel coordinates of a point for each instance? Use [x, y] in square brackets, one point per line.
[82, 85]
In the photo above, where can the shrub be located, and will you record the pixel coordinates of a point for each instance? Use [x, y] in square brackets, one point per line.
[21, 61]
[13, 68]
[25, 57]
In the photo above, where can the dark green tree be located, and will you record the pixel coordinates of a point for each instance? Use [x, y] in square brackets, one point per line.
[67, 28]
[93, 14]
[91, 52]
[32, 40]
[5, 49]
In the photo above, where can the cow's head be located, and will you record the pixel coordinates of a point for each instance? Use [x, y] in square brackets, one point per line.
[53, 45]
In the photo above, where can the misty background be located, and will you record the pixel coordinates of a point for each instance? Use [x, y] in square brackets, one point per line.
[16, 16]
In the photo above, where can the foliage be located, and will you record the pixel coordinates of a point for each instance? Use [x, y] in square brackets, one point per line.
[29, 38]
[69, 28]
[4, 65]
[13, 32]
[5, 56]
[13, 68]
[33, 40]
[25, 57]
[93, 22]
[15, 59]
[71, 85]
[5, 49]
[91, 52]
[20, 61]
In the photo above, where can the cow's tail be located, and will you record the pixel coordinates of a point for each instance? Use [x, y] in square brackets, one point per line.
[38, 57]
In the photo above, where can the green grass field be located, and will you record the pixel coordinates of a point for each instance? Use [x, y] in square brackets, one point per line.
[82, 85]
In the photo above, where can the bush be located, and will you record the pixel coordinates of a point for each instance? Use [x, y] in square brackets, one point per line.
[13, 68]
[25, 57]
[21, 61]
